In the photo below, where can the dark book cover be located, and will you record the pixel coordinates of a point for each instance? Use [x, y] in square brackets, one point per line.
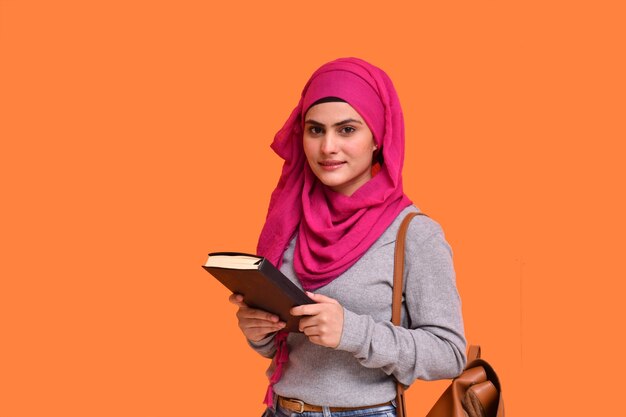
[264, 288]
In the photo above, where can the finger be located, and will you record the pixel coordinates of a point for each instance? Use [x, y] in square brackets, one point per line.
[307, 310]
[236, 299]
[310, 331]
[320, 298]
[253, 313]
[316, 340]
[310, 322]
[260, 324]
[317, 336]
[258, 333]
[257, 336]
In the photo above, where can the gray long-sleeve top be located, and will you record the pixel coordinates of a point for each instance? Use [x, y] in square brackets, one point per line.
[430, 344]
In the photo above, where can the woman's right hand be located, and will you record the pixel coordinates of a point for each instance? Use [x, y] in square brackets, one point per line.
[255, 324]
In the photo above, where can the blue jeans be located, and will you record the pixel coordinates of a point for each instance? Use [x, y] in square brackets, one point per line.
[383, 411]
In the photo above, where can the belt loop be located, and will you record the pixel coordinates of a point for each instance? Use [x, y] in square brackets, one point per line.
[326, 411]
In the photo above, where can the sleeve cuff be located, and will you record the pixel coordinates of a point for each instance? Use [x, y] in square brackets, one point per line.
[354, 332]
[264, 345]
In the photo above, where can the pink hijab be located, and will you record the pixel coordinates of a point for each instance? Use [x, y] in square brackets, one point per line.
[334, 230]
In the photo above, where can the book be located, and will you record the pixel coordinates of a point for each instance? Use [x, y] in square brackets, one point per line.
[262, 285]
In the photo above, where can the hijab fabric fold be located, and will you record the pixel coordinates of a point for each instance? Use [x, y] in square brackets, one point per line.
[334, 230]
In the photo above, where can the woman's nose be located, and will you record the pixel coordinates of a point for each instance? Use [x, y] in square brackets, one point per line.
[329, 144]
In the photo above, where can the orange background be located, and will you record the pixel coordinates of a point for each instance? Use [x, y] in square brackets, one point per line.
[135, 139]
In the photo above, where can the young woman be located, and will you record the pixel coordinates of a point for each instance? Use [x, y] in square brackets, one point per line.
[331, 228]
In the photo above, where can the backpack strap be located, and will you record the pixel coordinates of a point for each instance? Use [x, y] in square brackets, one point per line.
[398, 277]
[398, 267]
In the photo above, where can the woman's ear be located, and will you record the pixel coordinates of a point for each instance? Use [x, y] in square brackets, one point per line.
[377, 158]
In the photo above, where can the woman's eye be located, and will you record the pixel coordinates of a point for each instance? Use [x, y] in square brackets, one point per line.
[346, 130]
[315, 130]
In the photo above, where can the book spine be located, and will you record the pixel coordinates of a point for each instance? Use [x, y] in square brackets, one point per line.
[291, 289]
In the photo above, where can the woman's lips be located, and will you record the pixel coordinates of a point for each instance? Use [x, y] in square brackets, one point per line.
[331, 165]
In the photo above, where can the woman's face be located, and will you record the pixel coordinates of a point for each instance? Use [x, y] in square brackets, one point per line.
[338, 146]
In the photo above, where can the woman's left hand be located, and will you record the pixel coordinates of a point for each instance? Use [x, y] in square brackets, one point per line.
[323, 322]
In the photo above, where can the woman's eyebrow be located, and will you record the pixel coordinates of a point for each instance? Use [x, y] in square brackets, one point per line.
[343, 122]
